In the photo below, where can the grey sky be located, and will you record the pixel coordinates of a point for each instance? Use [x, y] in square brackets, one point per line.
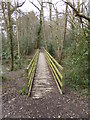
[29, 7]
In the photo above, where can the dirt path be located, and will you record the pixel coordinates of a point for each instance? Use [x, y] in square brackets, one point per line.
[46, 103]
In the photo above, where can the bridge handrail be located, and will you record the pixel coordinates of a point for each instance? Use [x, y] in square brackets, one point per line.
[61, 68]
[30, 71]
[53, 65]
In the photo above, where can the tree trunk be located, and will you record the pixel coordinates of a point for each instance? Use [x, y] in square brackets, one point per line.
[5, 19]
[17, 33]
[50, 17]
[18, 43]
[89, 23]
[39, 32]
[50, 10]
[43, 24]
[10, 34]
[79, 19]
[73, 18]
[63, 41]
[82, 6]
[57, 40]
[78, 5]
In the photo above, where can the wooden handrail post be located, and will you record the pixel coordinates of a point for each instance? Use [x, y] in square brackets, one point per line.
[26, 76]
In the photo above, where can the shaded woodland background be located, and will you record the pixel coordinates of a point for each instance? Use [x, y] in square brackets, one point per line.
[65, 35]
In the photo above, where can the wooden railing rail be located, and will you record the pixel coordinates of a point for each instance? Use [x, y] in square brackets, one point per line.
[56, 69]
[30, 72]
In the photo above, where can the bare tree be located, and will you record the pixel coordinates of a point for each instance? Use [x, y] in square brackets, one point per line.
[43, 23]
[58, 46]
[65, 26]
[42, 26]
[50, 17]
[80, 15]
[88, 21]
[7, 7]
[10, 33]
[17, 30]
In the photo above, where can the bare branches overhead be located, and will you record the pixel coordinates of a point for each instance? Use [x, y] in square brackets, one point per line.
[4, 4]
[18, 5]
[80, 15]
[34, 5]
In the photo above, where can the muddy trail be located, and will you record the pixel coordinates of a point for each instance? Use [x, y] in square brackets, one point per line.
[45, 100]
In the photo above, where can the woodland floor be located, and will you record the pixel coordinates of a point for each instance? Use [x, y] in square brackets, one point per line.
[50, 105]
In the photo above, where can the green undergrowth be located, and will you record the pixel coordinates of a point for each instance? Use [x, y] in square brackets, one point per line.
[51, 49]
[19, 64]
[22, 91]
[75, 63]
[3, 78]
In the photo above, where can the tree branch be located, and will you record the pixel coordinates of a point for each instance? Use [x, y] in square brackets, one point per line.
[51, 4]
[35, 5]
[17, 7]
[76, 11]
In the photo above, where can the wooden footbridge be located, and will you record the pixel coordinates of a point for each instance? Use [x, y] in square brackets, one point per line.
[41, 74]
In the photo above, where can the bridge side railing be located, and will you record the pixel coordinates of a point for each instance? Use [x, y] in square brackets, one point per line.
[30, 72]
[56, 69]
